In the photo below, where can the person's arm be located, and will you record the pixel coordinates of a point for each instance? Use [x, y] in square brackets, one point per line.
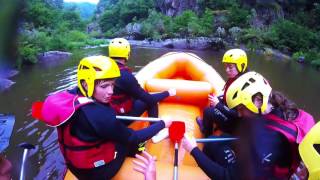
[230, 113]
[130, 85]
[146, 165]
[104, 122]
[211, 168]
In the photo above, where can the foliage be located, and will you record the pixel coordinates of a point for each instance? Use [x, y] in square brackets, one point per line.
[218, 4]
[238, 16]
[86, 10]
[124, 12]
[292, 36]
[48, 27]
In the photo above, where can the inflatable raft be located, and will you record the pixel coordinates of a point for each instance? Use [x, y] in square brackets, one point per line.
[194, 80]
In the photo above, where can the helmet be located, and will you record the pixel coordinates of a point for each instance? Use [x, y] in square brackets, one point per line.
[309, 153]
[238, 57]
[93, 68]
[242, 90]
[119, 47]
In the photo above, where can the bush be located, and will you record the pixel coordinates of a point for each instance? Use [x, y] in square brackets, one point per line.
[293, 36]
[238, 16]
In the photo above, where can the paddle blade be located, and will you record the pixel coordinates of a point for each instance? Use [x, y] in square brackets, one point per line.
[177, 130]
[36, 110]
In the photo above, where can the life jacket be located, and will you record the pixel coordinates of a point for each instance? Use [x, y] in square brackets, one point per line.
[122, 103]
[294, 131]
[56, 110]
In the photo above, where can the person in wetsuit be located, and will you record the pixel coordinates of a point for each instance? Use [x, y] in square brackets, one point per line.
[93, 142]
[129, 98]
[218, 118]
[261, 151]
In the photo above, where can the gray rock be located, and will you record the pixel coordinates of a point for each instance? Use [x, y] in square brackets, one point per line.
[221, 32]
[134, 30]
[5, 84]
[235, 32]
[176, 7]
[54, 56]
[7, 73]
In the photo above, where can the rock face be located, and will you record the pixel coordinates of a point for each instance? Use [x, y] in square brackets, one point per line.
[176, 7]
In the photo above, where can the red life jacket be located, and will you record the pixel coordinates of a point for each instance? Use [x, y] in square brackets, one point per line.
[294, 131]
[122, 103]
[56, 111]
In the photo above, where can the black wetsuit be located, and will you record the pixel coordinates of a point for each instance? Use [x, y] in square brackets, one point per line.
[128, 84]
[254, 156]
[224, 117]
[95, 122]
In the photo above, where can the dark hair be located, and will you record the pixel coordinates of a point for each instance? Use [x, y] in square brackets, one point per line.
[288, 108]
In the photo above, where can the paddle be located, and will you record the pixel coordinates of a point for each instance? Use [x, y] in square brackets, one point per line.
[133, 118]
[176, 132]
[26, 147]
[6, 127]
[206, 140]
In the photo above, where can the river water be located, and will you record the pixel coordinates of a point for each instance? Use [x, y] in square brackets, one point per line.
[300, 83]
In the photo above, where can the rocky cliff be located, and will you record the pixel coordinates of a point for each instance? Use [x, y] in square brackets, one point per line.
[176, 7]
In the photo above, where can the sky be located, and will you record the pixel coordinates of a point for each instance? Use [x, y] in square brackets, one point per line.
[90, 1]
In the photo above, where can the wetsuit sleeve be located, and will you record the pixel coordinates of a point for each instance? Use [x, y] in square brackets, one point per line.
[211, 168]
[130, 85]
[230, 113]
[104, 122]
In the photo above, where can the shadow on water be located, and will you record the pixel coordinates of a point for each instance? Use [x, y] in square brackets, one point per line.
[36, 82]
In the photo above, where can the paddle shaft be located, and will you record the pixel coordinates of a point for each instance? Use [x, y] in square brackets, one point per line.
[132, 118]
[26, 147]
[175, 170]
[205, 140]
[24, 157]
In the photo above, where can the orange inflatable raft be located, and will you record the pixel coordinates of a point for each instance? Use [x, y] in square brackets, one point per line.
[194, 80]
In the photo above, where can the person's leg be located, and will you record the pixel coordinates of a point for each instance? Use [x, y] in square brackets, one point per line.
[214, 119]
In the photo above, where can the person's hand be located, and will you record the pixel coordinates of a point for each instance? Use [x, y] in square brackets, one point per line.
[167, 121]
[213, 100]
[188, 142]
[146, 165]
[172, 92]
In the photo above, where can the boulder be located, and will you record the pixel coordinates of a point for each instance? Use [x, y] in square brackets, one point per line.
[5, 84]
[54, 56]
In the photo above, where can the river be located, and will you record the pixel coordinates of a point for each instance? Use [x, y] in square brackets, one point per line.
[300, 83]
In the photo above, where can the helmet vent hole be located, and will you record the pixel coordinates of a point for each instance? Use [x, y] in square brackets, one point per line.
[265, 82]
[317, 147]
[245, 86]
[252, 80]
[235, 95]
[97, 69]
[84, 67]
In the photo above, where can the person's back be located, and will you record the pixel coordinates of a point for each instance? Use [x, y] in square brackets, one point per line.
[261, 152]
[129, 98]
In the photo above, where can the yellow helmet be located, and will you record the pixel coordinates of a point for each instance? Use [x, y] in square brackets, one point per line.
[238, 57]
[95, 67]
[242, 90]
[119, 47]
[309, 154]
